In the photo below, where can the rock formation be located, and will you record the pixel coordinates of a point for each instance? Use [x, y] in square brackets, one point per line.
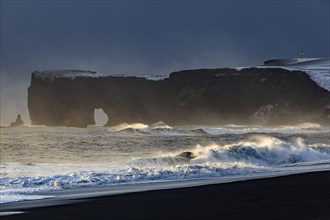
[268, 96]
[18, 121]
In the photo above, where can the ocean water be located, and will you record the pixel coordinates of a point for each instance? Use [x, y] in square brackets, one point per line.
[37, 159]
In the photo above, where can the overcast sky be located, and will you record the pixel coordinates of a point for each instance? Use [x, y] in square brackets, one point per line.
[144, 37]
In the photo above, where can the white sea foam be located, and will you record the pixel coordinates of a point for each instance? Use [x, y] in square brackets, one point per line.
[264, 151]
[256, 154]
[160, 128]
[6, 198]
[301, 128]
[125, 126]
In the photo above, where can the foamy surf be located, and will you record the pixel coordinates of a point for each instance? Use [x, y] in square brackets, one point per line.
[160, 128]
[255, 154]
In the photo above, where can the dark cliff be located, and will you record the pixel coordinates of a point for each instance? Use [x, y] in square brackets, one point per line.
[204, 96]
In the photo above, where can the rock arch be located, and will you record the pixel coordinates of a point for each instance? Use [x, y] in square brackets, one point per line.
[101, 118]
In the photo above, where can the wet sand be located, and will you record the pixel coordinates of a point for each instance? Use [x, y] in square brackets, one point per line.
[299, 196]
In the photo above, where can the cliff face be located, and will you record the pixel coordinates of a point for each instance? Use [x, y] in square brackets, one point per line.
[205, 96]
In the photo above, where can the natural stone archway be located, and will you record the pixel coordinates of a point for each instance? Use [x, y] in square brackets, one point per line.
[199, 97]
[101, 118]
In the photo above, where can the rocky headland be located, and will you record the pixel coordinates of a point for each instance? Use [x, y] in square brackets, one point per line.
[257, 95]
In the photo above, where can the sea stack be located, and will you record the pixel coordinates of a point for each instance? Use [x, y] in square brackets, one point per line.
[18, 121]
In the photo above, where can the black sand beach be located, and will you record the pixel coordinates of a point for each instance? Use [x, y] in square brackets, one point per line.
[300, 196]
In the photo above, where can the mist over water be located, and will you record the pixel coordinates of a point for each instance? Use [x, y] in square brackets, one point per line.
[13, 99]
[124, 142]
[37, 159]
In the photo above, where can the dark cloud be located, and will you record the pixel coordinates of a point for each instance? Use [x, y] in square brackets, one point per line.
[153, 37]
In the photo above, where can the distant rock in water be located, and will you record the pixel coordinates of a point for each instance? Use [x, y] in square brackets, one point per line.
[18, 121]
[259, 95]
[187, 154]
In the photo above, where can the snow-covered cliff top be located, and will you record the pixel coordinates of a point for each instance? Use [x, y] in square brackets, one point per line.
[291, 61]
[72, 74]
[317, 68]
[53, 74]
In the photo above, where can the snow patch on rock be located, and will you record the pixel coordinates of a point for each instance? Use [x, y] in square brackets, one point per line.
[71, 74]
[317, 68]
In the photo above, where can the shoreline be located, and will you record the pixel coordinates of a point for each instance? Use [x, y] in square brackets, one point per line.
[302, 196]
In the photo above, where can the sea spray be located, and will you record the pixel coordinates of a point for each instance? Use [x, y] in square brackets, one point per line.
[44, 159]
[262, 150]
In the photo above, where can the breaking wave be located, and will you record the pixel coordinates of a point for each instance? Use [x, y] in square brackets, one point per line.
[256, 154]
[263, 151]
[160, 128]
[258, 150]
